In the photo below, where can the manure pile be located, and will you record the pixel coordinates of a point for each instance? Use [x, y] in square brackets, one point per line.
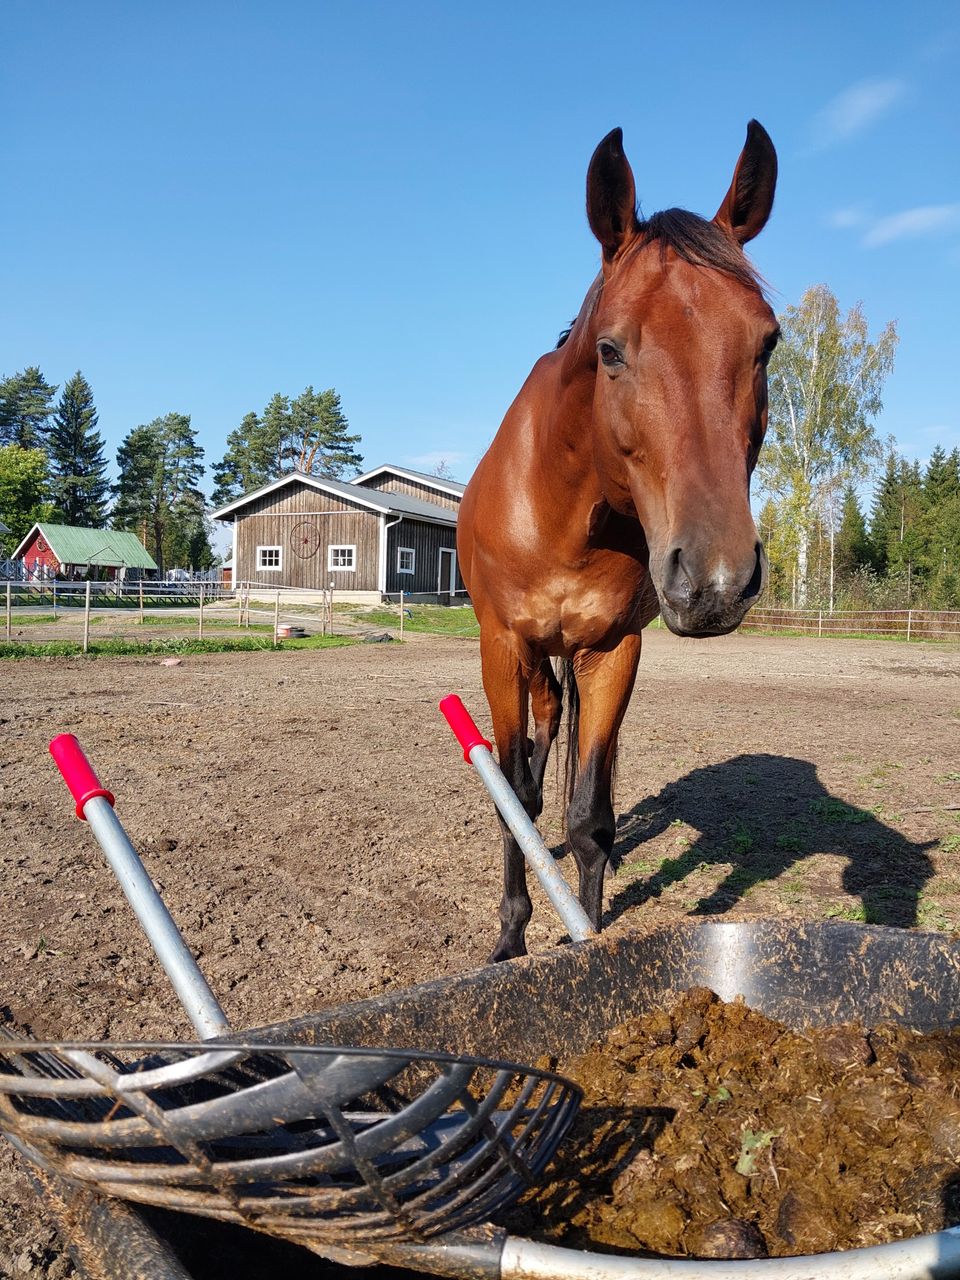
[711, 1131]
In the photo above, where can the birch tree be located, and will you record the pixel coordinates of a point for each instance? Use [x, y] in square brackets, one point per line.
[825, 383]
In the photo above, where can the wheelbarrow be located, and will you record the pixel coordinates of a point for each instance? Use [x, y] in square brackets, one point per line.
[559, 1003]
[802, 975]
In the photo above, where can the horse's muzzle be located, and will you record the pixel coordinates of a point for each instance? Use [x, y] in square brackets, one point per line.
[701, 600]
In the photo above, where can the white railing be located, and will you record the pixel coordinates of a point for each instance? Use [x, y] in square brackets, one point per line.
[53, 593]
[899, 624]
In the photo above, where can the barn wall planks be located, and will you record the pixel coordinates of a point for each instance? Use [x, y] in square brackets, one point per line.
[425, 540]
[413, 489]
[285, 518]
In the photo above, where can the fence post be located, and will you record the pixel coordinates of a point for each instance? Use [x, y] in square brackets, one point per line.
[819, 624]
[200, 620]
[401, 615]
[141, 601]
[331, 606]
[54, 599]
[240, 608]
[276, 622]
[86, 619]
[8, 610]
[909, 622]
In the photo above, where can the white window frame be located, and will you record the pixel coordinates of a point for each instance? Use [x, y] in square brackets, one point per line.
[411, 551]
[269, 568]
[342, 568]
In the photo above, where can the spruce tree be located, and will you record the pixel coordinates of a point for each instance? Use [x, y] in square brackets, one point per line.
[25, 408]
[853, 545]
[157, 490]
[78, 468]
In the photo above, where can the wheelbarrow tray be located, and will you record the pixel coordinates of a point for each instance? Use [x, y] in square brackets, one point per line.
[802, 974]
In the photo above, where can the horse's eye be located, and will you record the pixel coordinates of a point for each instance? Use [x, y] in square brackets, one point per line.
[769, 347]
[609, 354]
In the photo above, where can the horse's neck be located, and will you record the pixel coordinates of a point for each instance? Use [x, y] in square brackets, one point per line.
[566, 427]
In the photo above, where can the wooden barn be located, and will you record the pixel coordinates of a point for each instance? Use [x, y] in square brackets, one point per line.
[69, 551]
[387, 531]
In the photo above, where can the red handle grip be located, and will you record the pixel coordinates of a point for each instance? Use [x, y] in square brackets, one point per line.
[77, 771]
[461, 722]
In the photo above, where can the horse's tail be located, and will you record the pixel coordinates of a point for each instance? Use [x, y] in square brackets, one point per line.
[571, 699]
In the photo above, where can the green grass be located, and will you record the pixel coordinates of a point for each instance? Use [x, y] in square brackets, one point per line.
[432, 619]
[833, 810]
[858, 914]
[173, 645]
[28, 619]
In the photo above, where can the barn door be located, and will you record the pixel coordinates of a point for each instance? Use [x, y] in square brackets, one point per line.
[447, 577]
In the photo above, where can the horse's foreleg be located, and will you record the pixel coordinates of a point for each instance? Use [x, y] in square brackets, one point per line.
[506, 686]
[546, 700]
[605, 682]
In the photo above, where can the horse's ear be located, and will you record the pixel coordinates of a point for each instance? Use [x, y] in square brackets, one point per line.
[611, 194]
[746, 206]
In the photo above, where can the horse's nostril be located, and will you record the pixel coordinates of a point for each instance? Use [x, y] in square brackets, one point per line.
[677, 583]
[755, 585]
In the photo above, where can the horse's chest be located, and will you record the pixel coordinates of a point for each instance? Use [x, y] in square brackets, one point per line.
[590, 608]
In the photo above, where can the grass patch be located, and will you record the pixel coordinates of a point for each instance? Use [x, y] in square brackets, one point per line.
[164, 646]
[430, 619]
[857, 913]
[833, 810]
[741, 841]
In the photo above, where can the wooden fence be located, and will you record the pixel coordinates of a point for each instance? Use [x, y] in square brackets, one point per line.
[898, 624]
[57, 594]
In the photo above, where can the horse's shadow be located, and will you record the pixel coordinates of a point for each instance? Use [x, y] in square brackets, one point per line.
[760, 815]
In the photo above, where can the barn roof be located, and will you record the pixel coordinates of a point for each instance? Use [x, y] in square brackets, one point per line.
[373, 499]
[111, 548]
[445, 486]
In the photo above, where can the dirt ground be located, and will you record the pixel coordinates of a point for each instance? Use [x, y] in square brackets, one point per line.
[312, 826]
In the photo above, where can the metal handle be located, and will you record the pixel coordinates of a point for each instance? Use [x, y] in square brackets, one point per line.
[95, 805]
[476, 750]
[77, 771]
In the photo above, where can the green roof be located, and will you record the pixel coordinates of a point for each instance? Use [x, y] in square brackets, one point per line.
[72, 545]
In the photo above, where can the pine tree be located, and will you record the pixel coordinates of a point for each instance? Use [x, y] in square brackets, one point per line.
[319, 440]
[78, 469]
[275, 428]
[25, 408]
[157, 491]
[248, 463]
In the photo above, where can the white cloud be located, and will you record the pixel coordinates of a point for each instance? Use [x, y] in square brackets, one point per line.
[429, 461]
[854, 110]
[924, 220]
[845, 218]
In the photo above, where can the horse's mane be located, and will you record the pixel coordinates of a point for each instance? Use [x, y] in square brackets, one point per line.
[697, 241]
[701, 243]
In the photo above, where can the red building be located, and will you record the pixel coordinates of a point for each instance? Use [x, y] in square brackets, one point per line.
[66, 551]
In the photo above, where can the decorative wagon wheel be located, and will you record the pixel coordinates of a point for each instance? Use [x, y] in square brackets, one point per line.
[305, 539]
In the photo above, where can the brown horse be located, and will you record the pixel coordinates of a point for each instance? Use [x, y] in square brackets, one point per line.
[618, 487]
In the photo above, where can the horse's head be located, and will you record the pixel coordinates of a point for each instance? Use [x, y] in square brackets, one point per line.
[680, 336]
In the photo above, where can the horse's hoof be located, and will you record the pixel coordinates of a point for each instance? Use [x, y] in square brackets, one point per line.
[506, 951]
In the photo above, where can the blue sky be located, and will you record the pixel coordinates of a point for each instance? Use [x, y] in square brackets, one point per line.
[206, 203]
